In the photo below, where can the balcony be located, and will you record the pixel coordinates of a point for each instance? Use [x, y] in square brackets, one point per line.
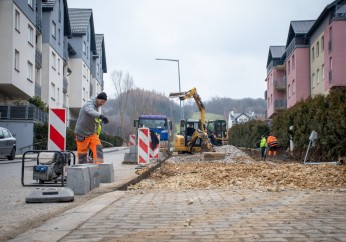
[280, 104]
[38, 58]
[38, 23]
[28, 112]
[65, 85]
[37, 89]
[280, 84]
[296, 42]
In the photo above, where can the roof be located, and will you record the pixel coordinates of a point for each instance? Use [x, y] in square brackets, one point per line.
[324, 14]
[100, 48]
[48, 4]
[275, 52]
[80, 18]
[299, 29]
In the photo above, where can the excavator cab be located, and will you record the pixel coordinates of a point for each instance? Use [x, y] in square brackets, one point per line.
[183, 138]
[217, 132]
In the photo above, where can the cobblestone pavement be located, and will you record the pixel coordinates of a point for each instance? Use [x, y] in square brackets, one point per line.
[218, 215]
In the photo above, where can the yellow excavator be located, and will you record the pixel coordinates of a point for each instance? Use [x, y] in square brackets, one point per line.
[193, 135]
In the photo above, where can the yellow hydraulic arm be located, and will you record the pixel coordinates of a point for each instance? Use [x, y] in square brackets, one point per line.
[189, 94]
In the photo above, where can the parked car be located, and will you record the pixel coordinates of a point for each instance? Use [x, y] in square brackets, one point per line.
[7, 144]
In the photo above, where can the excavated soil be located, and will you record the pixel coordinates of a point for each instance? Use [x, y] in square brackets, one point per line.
[239, 171]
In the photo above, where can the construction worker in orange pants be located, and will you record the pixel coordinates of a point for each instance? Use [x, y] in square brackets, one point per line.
[86, 130]
[272, 143]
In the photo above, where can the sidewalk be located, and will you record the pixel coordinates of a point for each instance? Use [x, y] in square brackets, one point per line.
[58, 227]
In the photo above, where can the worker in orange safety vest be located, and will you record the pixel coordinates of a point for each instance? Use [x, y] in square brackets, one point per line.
[272, 143]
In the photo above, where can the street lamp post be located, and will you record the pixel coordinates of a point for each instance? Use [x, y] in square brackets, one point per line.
[181, 109]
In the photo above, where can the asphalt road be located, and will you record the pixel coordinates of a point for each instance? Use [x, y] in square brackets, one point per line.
[18, 216]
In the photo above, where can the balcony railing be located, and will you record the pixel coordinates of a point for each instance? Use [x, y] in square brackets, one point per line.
[37, 89]
[65, 85]
[38, 22]
[280, 84]
[38, 58]
[28, 112]
[280, 103]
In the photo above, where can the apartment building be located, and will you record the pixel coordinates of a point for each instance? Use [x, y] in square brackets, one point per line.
[98, 66]
[312, 62]
[55, 29]
[276, 80]
[328, 49]
[84, 43]
[20, 47]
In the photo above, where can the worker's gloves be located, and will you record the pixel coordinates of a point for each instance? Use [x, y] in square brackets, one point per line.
[104, 119]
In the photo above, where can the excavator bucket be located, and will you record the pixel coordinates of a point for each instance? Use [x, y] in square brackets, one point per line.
[213, 156]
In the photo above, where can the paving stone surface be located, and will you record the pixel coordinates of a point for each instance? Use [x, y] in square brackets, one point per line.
[218, 215]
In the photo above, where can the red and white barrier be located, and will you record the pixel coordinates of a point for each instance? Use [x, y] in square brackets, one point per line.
[154, 153]
[132, 140]
[143, 146]
[57, 129]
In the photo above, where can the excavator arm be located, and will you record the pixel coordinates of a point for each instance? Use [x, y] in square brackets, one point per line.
[192, 94]
[198, 133]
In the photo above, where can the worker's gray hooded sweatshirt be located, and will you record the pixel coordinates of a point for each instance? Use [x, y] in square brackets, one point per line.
[86, 120]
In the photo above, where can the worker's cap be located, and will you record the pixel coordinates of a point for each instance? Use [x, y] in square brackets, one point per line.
[102, 96]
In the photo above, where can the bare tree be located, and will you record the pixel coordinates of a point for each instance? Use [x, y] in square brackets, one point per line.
[123, 83]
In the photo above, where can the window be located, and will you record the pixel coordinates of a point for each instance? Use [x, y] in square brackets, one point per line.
[318, 75]
[30, 3]
[59, 66]
[52, 90]
[30, 35]
[59, 36]
[84, 47]
[293, 61]
[330, 63]
[322, 44]
[289, 66]
[289, 90]
[53, 29]
[293, 86]
[322, 70]
[313, 53]
[83, 93]
[97, 68]
[313, 80]
[16, 60]
[84, 70]
[53, 61]
[17, 21]
[30, 71]
[317, 48]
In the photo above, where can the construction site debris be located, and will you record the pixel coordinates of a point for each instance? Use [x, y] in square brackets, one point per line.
[239, 171]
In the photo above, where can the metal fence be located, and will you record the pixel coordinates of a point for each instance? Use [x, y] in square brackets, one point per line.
[28, 112]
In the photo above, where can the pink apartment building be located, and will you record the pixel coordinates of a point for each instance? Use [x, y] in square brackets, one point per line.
[311, 63]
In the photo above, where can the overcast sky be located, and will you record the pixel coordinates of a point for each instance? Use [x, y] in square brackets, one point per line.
[222, 45]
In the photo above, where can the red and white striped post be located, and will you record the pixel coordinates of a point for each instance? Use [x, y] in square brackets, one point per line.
[57, 129]
[143, 146]
[132, 140]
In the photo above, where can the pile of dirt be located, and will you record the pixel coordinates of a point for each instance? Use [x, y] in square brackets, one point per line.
[240, 171]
